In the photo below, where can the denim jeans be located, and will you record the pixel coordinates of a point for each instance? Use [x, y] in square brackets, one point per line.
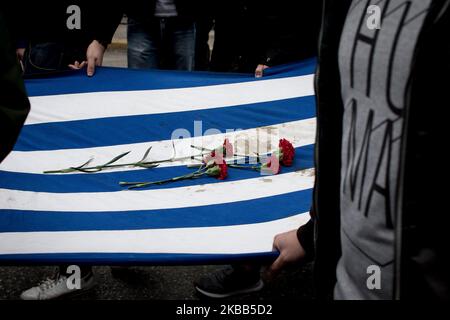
[161, 43]
[50, 57]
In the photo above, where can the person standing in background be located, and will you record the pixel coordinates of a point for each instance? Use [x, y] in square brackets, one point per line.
[379, 221]
[251, 36]
[161, 35]
[58, 36]
[14, 104]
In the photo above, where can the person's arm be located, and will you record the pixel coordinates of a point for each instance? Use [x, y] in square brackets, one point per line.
[94, 56]
[305, 236]
[14, 104]
[103, 22]
[288, 32]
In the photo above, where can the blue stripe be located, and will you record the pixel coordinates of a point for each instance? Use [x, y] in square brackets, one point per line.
[156, 127]
[118, 79]
[228, 214]
[108, 181]
[134, 259]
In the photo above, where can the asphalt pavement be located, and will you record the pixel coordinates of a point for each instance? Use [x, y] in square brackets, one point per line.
[155, 283]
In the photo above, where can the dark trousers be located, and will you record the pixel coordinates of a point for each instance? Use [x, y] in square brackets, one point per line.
[161, 43]
[48, 57]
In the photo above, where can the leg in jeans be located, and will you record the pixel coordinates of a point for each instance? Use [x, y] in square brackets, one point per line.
[181, 37]
[43, 58]
[47, 57]
[144, 42]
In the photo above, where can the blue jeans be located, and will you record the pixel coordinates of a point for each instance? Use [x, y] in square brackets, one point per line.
[48, 57]
[161, 43]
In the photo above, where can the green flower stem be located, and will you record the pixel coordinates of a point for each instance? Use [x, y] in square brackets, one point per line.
[102, 167]
[135, 185]
[201, 148]
[180, 158]
[255, 168]
[235, 155]
[148, 165]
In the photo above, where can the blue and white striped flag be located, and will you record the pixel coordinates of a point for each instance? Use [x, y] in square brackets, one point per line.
[80, 217]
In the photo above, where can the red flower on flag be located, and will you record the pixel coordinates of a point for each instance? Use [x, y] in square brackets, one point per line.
[287, 152]
[219, 153]
[223, 171]
[218, 169]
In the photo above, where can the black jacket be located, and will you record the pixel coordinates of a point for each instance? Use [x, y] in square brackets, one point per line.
[46, 21]
[289, 30]
[421, 244]
[14, 105]
[252, 32]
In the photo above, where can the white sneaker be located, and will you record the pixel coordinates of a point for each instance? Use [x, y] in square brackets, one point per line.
[56, 288]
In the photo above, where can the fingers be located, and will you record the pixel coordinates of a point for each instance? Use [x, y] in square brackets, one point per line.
[94, 56]
[20, 56]
[276, 246]
[260, 70]
[275, 268]
[91, 63]
[290, 250]
[77, 66]
[99, 61]
[20, 53]
[22, 67]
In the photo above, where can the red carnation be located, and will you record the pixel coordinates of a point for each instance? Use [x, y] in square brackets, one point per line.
[218, 169]
[287, 152]
[207, 158]
[226, 150]
[223, 171]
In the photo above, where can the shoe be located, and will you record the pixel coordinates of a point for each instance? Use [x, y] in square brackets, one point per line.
[229, 282]
[57, 288]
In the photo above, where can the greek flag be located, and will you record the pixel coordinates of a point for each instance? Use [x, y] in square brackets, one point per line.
[89, 218]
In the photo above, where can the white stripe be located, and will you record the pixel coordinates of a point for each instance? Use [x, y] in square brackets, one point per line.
[264, 139]
[242, 239]
[82, 106]
[182, 197]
